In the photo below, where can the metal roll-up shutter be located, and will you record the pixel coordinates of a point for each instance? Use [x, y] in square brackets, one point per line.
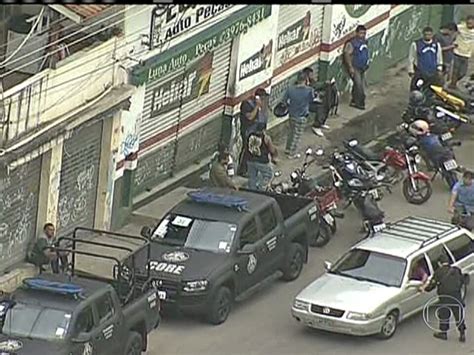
[19, 196]
[201, 119]
[79, 179]
[199, 122]
[294, 57]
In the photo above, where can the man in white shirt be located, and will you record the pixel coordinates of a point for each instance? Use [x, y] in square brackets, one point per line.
[463, 46]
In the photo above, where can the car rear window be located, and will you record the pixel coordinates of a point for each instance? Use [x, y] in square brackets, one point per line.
[460, 247]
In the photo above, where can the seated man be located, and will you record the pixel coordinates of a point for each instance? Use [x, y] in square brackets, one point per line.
[419, 272]
[43, 251]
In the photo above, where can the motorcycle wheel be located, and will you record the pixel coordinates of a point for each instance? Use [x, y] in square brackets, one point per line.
[450, 177]
[423, 193]
[322, 236]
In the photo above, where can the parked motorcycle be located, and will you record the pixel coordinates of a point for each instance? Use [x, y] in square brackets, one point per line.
[360, 191]
[326, 198]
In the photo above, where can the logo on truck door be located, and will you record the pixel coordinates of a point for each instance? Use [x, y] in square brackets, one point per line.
[175, 257]
[252, 265]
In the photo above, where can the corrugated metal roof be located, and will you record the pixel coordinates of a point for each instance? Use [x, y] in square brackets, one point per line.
[88, 11]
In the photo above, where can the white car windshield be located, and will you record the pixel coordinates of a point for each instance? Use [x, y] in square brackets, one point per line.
[36, 322]
[365, 265]
[197, 234]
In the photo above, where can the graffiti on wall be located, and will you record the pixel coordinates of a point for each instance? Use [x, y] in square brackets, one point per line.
[129, 144]
[153, 168]
[17, 229]
[73, 205]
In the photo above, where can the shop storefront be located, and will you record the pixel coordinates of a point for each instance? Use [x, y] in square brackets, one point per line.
[19, 196]
[185, 90]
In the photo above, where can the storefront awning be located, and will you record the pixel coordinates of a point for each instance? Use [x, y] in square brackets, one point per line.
[80, 13]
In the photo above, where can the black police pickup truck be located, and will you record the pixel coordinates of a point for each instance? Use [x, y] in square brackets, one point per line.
[207, 253]
[78, 314]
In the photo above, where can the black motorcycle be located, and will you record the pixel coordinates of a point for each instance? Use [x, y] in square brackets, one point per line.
[361, 191]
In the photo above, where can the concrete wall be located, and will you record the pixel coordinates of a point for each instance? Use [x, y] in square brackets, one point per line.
[391, 29]
[51, 94]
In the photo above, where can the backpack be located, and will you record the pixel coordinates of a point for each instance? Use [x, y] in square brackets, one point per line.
[452, 281]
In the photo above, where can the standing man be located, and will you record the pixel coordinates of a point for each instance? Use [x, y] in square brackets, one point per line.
[43, 252]
[252, 111]
[462, 50]
[320, 107]
[261, 154]
[445, 38]
[356, 58]
[297, 97]
[218, 175]
[448, 281]
[425, 61]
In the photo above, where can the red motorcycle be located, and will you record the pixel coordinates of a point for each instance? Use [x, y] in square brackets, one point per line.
[327, 198]
[399, 164]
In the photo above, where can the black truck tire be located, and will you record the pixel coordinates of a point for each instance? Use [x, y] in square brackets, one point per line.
[220, 306]
[134, 344]
[294, 262]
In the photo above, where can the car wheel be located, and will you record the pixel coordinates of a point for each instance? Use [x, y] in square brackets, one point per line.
[294, 262]
[134, 344]
[221, 306]
[389, 326]
[322, 235]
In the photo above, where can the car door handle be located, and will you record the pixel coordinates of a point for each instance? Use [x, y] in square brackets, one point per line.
[98, 337]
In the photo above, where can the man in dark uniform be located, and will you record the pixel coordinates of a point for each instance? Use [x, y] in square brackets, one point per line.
[449, 281]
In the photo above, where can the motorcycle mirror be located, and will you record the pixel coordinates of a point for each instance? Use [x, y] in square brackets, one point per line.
[319, 152]
[353, 143]
[309, 151]
[277, 173]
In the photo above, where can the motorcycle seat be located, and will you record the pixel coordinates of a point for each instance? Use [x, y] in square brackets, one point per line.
[364, 152]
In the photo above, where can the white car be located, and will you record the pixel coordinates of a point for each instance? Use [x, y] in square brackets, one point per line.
[371, 288]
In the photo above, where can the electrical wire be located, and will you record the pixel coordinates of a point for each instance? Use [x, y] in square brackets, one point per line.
[62, 19]
[74, 42]
[40, 16]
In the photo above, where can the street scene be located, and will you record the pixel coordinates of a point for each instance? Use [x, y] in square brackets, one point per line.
[242, 179]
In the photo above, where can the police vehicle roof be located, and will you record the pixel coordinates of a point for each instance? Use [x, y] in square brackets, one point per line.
[256, 201]
[408, 235]
[57, 300]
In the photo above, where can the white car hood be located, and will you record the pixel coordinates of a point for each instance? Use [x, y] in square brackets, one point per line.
[347, 294]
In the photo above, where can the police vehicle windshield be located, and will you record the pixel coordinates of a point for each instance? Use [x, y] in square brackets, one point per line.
[197, 234]
[365, 265]
[35, 322]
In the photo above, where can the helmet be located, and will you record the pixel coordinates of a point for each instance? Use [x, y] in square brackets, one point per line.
[420, 127]
[280, 110]
[416, 98]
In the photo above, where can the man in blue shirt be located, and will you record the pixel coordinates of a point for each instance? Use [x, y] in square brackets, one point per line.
[462, 199]
[297, 97]
[356, 58]
[425, 60]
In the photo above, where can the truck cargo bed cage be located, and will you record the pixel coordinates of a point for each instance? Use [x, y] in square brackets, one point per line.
[420, 229]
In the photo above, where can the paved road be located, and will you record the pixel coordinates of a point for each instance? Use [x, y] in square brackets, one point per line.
[263, 324]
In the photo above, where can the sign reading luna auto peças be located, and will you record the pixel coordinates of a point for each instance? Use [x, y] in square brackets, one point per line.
[257, 62]
[178, 19]
[223, 32]
[193, 83]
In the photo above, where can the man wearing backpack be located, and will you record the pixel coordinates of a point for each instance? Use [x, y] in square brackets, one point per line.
[448, 281]
[356, 58]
